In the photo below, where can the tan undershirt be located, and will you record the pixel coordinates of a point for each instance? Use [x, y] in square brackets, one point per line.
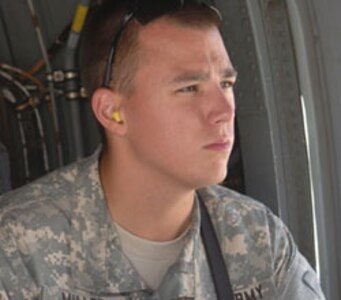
[150, 259]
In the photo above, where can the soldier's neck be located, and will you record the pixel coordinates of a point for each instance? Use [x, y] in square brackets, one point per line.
[144, 205]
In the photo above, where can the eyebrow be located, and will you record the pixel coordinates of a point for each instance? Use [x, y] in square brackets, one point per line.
[202, 76]
[229, 72]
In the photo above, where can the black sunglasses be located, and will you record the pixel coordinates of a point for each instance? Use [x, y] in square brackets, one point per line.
[145, 11]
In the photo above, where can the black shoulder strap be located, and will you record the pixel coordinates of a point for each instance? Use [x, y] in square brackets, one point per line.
[215, 258]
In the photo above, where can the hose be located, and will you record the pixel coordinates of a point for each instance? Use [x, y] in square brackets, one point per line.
[25, 75]
[57, 44]
[19, 108]
[36, 25]
[72, 86]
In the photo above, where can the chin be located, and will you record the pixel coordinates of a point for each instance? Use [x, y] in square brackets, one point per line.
[213, 179]
[218, 174]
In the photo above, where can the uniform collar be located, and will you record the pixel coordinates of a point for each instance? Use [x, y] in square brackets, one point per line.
[98, 248]
[179, 281]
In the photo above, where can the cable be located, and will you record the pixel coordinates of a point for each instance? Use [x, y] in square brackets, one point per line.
[9, 96]
[57, 44]
[24, 74]
[36, 25]
[16, 83]
[29, 103]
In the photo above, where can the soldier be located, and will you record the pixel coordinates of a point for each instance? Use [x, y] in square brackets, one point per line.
[125, 222]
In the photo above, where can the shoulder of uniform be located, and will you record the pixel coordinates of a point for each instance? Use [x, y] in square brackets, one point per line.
[231, 210]
[217, 195]
[49, 190]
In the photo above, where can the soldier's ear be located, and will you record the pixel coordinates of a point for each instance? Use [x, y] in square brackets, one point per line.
[106, 105]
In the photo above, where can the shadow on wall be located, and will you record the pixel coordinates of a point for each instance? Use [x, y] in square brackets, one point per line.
[4, 170]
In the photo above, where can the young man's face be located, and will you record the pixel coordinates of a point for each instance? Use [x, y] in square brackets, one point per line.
[180, 116]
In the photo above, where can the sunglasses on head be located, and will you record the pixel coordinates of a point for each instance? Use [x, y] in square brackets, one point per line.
[145, 11]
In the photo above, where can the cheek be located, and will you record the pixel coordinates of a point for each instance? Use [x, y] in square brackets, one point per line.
[163, 137]
[146, 125]
[163, 122]
[179, 124]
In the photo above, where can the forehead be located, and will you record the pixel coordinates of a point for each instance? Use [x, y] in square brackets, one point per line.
[164, 42]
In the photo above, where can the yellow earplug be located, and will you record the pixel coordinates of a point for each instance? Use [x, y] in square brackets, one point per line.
[117, 117]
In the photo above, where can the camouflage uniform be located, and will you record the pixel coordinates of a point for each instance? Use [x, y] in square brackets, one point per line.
[57, 241]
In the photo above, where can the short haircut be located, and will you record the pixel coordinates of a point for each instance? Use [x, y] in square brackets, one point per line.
[102, 24]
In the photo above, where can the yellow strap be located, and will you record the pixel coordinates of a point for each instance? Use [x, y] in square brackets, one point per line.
[79, 18]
